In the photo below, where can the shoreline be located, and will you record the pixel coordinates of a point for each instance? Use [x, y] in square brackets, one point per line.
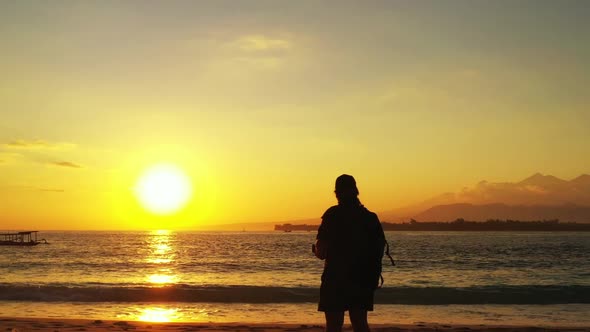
[24, 324]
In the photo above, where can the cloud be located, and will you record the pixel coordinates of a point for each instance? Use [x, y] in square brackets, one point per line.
[66, 164]
[36, 144]
[257, 51]
[260, 43]
[534, 189]
[234, 59]
[8, 157]
[52, 190]
[32, 188]
[35, 151]
[537, 189]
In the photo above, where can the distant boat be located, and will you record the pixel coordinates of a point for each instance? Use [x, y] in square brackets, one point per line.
[20, 239]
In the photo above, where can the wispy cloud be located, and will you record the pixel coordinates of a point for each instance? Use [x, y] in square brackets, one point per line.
[52, 190]
[65, 164]
[20, 187]
[259, 51]
[261, 43]
[8, 157]
[36, 144]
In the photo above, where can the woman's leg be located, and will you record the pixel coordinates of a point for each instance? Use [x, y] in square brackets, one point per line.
[334, 321]
[358, 319]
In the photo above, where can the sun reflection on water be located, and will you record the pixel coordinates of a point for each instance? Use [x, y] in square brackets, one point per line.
[160, 260]
[161, 279]
[161, 248]
[169, 313]
[161, 252]
[157, 315]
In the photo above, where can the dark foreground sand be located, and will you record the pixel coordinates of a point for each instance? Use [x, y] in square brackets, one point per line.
[67, 325]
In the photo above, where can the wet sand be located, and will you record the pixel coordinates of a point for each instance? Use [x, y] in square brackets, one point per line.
[69, 325]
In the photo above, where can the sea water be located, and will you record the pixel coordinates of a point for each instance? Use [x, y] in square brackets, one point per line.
[532, 278]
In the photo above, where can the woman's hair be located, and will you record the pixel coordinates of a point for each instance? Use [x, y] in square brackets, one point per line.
[346, 190]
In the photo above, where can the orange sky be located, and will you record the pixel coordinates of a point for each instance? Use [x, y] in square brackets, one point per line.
[263, 104]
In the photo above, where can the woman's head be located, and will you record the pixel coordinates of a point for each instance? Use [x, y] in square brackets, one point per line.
[346, 190]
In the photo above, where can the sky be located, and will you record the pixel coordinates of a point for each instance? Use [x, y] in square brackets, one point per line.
[264, 103]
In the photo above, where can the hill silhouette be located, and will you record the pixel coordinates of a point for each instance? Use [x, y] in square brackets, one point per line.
[537, 197]
[570, 212]
[534, 198]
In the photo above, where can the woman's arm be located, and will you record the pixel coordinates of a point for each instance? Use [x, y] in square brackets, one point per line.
[321, 249]
[321, 243]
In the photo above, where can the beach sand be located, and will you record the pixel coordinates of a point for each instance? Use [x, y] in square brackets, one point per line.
[68, 325]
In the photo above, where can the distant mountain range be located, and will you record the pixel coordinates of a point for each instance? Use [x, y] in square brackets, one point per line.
[451, 212]
[537, 197]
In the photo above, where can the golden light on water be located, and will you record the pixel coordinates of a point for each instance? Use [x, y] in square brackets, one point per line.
[157, 315]
[161, 252]
[159, 260]
[162, 279]
[162, 248]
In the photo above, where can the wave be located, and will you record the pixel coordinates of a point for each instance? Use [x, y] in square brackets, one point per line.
[531, 294]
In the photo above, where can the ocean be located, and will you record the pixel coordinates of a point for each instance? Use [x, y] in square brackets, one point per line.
[496, 278]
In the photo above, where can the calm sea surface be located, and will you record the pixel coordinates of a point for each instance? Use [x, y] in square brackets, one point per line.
[534, 278]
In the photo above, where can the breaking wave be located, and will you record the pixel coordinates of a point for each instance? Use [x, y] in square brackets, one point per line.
[532, 294]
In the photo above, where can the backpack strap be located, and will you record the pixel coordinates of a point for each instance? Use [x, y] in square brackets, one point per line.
[388, 254]
[381, 280]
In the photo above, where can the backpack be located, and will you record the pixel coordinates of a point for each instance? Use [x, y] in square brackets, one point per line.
[381, 247]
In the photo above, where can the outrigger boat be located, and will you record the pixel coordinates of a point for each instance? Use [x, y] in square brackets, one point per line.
[20, 239]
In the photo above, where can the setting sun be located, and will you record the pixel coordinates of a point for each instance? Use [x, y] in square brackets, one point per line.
[163, 189]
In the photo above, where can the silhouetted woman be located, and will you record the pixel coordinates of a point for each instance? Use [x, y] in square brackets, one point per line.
[351, 240]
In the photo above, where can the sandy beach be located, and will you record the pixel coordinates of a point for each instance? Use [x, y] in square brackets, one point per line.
[67, 325]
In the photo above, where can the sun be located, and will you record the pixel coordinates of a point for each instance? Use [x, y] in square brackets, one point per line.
[163, 189]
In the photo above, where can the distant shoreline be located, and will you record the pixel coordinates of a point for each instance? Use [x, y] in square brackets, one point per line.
[465, 226]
